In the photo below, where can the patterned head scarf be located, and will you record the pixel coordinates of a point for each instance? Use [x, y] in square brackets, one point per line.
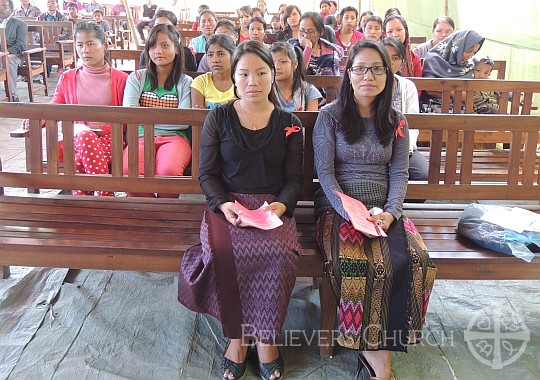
[444, 59]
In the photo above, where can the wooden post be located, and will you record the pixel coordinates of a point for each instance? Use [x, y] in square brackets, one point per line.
[131, 23]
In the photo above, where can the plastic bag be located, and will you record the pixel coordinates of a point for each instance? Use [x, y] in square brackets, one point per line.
[525, 245]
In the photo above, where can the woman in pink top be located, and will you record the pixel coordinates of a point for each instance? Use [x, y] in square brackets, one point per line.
[94, 83]
[347, 35]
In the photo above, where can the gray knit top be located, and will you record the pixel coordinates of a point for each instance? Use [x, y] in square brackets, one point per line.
[338, 162]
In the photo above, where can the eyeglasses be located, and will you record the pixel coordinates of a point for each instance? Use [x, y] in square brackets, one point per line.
[375, 70]
[310, 32]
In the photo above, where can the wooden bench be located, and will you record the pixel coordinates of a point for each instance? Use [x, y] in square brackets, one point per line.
[118, 56]
[187, 35]
[461, 91]
[143, 234]
[500, 68]
[58, 40]
[120, 37]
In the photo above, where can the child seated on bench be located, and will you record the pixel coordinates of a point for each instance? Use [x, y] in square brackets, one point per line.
[162, 85]
[93, 83]
[484, 101]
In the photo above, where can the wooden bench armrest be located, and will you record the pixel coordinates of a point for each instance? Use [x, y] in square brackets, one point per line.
[62, 46]
[33, 51]
[19, 132]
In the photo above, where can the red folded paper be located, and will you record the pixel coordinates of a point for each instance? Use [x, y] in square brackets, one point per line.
[358, 215]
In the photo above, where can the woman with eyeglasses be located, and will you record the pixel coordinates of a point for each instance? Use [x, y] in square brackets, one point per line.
[442, 27]
[321, 57]
[361, 147]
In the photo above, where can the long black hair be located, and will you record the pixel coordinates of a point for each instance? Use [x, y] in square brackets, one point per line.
[261, 51]
[351, 119]
[178, 63]
[295, 55]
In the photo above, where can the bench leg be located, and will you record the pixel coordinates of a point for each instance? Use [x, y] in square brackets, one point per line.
[5, 272]
[328, 318]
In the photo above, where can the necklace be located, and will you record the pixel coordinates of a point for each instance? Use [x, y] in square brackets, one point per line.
[253, 125]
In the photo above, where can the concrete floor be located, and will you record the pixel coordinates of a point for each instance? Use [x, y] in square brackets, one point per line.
[474, 329]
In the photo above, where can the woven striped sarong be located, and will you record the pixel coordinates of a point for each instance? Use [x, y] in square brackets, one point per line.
[383, 284]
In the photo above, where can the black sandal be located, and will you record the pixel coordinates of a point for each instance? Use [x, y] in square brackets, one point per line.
[236, 369]
[364, 371]
[268, 369]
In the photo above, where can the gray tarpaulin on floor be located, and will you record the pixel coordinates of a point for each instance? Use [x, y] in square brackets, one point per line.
[25, 300]
[122, 325]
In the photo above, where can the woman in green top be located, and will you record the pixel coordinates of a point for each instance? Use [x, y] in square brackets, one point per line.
[163, 84]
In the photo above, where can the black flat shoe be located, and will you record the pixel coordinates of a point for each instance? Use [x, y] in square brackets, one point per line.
[236, 369]
[268, 369]
[364, 371]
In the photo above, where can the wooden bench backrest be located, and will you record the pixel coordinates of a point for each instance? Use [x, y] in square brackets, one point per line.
[54, 31]
[330, 82]
[455, 87]
[415, 40]
[450, 172]
[451, 164]
[508, 89]
[117, 56]
[113, 23]
[500, 68]
[35, 37]
[184, 25]
[187, 35]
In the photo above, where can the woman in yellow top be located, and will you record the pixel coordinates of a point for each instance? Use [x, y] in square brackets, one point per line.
[215, 88]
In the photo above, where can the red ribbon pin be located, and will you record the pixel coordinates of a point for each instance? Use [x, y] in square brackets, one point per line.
[291, 129]
[399, 130]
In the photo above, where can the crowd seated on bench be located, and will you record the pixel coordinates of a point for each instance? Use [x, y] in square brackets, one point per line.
[250, 148]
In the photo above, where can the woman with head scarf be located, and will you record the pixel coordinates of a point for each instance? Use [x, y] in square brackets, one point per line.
[450, 59]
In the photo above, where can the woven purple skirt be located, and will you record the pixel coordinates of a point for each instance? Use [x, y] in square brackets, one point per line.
[243, 276]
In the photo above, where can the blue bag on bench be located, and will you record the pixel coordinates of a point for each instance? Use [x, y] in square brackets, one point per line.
[525, 245]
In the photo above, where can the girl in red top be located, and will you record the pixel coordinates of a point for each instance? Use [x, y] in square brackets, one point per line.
[94, 83]
[347, 35]
[245, 13]
[396, 26]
